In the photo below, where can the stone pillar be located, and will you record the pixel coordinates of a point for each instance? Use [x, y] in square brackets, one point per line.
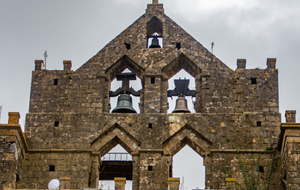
[290, 116]
[120, 183]
[271, 63]
[135, 171]
[230, 183]
[67, 65]
[241, 63]
[94, 178]
[13, 117]
[39, 64]
[152, 93]
[174, 183]
[197, 103]
[64, 183]
[155, 2]
[154, 169]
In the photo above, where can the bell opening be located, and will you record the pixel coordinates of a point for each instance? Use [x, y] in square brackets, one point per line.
[136, 85]
[173, 106]
[155, 41]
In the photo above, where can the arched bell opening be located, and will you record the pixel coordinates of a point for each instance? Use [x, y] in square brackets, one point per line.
[187, 165]
[125, 102]
[182, 67]
[154, 33]
[115, 163]
[181, 104]
[155, 41]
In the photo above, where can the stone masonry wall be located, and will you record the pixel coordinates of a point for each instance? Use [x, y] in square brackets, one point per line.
[69, 121]
[12, 152]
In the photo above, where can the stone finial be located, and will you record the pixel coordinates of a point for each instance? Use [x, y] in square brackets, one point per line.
[13, 117]
[64, 183]
[39, 64]
[241, 63]
[271, 63]
[174, 183]
[230, 183]
[155, 2]
[290, 116]
[67, 65]
[120, 183]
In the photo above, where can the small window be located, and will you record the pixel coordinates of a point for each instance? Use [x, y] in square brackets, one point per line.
[253, 80]
[150, 168]
[152, 80]
[55, 81]
[261, 169]
[178, 45]
[128, 46]
[51, 168]
[258, 123]
[150, 125]
[56, 123]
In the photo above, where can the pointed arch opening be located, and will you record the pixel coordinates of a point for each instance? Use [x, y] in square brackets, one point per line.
[182, 74]
[154, 33]
[115, 163]
[188, 165]
[115, 145]
[183, 145]
[135, 84]
[183, 68]
[125, 65]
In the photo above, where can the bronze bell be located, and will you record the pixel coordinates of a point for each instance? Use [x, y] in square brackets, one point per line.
[181, 105]
[155, 43]
[124, 104]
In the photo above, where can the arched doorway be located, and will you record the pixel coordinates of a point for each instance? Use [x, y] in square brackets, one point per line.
[116, 163]
[188, 166]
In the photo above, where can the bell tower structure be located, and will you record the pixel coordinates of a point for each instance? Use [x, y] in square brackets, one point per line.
[69, 126]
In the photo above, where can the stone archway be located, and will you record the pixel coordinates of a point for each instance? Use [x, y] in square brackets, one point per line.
[106, 141]
[187, 135]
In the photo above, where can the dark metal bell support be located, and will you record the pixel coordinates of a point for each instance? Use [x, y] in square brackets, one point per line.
[124, 104]
[155, 43]
[181, 90]
[181, 106]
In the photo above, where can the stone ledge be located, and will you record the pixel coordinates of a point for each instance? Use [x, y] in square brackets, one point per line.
[241, 151]
[152, 150]
[60, 150]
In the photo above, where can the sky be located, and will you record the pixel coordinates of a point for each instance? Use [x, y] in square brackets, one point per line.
[76, 30]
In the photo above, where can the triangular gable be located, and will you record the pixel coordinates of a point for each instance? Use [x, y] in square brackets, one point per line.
[135, 37]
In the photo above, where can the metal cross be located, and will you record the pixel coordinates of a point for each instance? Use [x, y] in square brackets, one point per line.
[125, 78]
[45, 56]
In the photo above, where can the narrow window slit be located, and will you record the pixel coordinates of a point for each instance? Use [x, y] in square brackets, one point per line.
[150, 125]
[261, 169]
[253, 80]
[178, 45]
[55, 81]
[56, 123]
[150, 168]
[152, 80]
[128, 46]
[51, 168]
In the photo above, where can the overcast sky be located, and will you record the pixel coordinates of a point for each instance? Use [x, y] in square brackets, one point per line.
[76, 30]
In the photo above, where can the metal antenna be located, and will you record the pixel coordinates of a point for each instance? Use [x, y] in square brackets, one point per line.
[0, 111]
[212, 47]
[45, 56]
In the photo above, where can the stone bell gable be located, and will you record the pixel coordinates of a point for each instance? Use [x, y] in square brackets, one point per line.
[70, 126]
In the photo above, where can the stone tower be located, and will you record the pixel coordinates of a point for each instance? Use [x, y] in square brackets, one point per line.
[69, 126]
